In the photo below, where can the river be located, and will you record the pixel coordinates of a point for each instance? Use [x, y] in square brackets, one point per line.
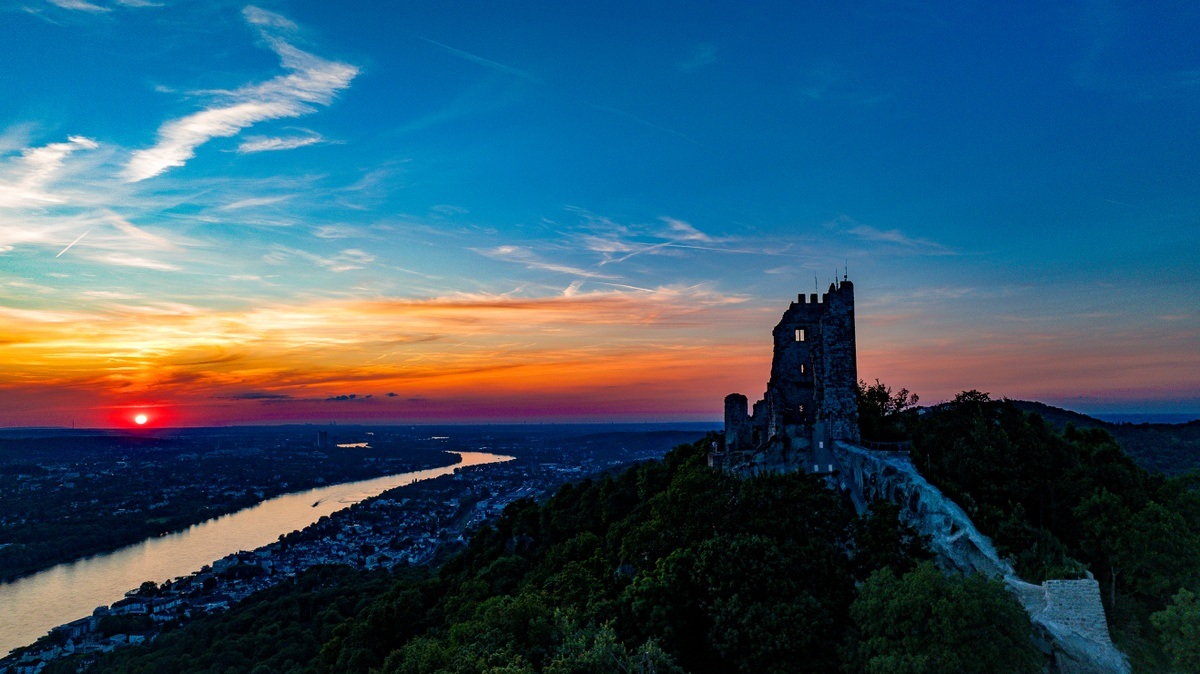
[33, 605]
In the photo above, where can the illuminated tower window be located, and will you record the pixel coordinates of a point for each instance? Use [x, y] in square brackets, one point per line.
[801, 368]
[799, 334]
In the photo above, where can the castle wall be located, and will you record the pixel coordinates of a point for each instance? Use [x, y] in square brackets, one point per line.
[811, 395]
[1067, 614]
[738, 434]
[808, 421]
[837, 395]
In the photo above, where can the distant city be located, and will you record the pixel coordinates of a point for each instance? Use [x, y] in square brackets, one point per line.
[404, 526]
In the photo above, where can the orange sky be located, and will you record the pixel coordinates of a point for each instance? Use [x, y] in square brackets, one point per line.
[290, 213]
[669, 353]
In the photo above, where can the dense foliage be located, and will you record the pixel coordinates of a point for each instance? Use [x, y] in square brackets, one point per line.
[1060, 503]
[674, 567]
[927, 621]
[1179, 625]
[1170, 449]
[668, 567]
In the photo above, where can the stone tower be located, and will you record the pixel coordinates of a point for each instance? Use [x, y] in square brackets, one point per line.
[810, 399]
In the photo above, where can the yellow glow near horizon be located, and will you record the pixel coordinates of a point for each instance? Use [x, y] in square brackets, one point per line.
[471, 349]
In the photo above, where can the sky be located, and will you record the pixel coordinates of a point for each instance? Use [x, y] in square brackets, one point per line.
[221, 213]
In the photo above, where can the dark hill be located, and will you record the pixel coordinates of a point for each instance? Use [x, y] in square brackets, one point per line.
[1171, 449]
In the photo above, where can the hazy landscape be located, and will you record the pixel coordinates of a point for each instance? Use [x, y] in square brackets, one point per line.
[641, 337]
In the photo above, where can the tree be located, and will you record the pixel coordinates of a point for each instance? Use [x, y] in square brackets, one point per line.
[882, 540]
[1161, 552]
[1179, 629]
[928, 622]
[880, 411]
[597, 651]
[1104, 520]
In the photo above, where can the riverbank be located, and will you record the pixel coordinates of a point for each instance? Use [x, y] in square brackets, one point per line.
[63, 498]
[71, 591]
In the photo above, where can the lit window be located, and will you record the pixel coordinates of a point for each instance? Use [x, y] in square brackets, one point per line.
[801, 368]
[799, 334]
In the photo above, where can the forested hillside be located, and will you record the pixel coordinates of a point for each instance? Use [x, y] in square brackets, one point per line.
[1171, 449]
[673, 567]
[1060, 504]
[667, 567]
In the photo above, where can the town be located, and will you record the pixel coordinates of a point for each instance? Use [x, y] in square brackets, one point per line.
[407, 526]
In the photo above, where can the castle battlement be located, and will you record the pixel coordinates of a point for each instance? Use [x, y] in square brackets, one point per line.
[810, 399]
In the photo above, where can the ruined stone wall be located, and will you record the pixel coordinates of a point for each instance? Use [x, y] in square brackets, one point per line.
[738, 434]
[1066, 614]
[1075, 604]
[837, 399]
[811, 391]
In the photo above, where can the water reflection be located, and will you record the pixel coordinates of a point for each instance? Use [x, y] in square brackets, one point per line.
[31, 606]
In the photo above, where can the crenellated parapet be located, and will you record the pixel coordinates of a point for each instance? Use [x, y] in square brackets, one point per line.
[811, 397]
[807, 421]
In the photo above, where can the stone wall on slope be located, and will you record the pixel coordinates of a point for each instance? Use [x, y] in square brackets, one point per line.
[1067, 614]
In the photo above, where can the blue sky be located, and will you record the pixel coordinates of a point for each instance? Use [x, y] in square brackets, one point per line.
[195, 195]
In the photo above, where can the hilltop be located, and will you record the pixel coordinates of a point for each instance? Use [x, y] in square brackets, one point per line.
[1170, 449]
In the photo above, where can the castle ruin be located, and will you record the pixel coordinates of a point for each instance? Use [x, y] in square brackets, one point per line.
[810, 399]
[807, 421]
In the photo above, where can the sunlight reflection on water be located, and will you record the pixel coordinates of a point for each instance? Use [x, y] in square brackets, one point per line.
[31, 606]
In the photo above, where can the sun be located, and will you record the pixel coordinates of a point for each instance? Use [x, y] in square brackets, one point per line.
[141, 419]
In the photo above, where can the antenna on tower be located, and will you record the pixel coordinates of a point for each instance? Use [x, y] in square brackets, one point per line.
[816, 284]
[846, 277]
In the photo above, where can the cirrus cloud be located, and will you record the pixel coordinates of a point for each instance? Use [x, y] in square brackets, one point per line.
[311, 80]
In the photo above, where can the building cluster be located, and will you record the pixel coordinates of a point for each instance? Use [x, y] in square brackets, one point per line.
[409, 525]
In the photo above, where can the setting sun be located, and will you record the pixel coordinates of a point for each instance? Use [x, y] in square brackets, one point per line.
[141, 419]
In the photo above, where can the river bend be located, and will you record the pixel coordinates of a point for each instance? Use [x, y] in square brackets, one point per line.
[33, 605]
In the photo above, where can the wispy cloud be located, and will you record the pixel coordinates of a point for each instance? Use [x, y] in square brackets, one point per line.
[531, 260]
[487, 63]
[892, 237]
[682, 231]
[254, 202]
[346, 260]
[24, 181]
[644, 122]
[704, 54]
[145, 239]
[124, 260]
[79, 5]
[337, 232]
[84, 6]
[265, 144]
[310, 80]
[265, 19]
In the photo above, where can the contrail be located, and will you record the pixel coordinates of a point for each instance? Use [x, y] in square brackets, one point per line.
[71, 244]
